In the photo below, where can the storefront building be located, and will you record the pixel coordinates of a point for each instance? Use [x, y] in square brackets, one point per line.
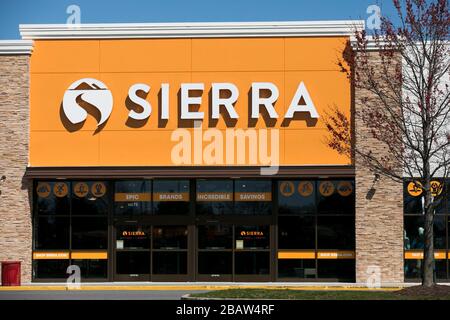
[193, 152]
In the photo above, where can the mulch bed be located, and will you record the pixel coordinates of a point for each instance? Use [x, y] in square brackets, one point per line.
[436, 292]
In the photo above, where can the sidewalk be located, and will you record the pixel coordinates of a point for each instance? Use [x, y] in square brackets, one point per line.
[194, 286]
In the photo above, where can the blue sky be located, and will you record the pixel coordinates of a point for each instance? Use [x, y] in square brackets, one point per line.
[15, 12]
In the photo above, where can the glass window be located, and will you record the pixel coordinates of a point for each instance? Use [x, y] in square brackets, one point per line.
[214, 197]
[336, 232]
[92, 268]
[89, 233]
[52, 198]
[297, 268]
[132, 237]
[90, 198]
[252, 237]
[336, 269]
[50, 269]
[252, 263]
[132, 197]
[133, 262]
[253, 197]
[413, 268]
[52, 233]
[296, 232]
[214, 262]
[169, 262]
[296, 197]
[336, 197]
[215, 237]
[170, 237]
[171, 196]
[414, 232]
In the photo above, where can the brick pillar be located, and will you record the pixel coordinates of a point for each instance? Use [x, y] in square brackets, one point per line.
[379, 209]
[15, 213]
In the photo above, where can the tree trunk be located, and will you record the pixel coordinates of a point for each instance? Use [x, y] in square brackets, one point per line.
[428, 252]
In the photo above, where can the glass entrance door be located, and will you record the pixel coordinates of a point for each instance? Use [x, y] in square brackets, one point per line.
[132, 258]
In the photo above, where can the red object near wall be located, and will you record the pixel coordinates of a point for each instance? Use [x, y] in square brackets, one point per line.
[10, 273]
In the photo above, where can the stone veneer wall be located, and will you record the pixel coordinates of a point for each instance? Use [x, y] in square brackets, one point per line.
[15, 213]
[379, 214]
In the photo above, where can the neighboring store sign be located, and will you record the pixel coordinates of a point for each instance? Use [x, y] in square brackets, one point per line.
[43, 189]
[415, 189]
[413, 255]
[214, 196]
[171, 196]
[253, 196]
[60, 189]
[132, 197]
[95, 93]
[326, 188]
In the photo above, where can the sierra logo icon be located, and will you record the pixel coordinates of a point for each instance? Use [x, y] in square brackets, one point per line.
[87, 91]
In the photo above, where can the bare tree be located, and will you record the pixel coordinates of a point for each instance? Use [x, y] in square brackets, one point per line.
[406, 98]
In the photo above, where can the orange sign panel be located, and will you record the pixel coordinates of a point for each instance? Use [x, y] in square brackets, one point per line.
[51, 255]
[296, 255]
[335, 254]
[145, 102]
[171, 196]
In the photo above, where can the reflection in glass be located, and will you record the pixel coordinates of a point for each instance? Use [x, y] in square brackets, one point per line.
[215, 237]
[296, 197]
[170, 237]
[252, 263]
[169, 262]
[92, 268]
[296, 232]
[336, 197]
[171, 197]
[214, 263]
[414, 232]
[50, 269]
[132, 197]
[90, 198]
[336, 269]
[214, 197]
[47, 203]
[52, 233]
[133, 262]
[89, 233]
[246, 190]
[297, 268]
[336, 232]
